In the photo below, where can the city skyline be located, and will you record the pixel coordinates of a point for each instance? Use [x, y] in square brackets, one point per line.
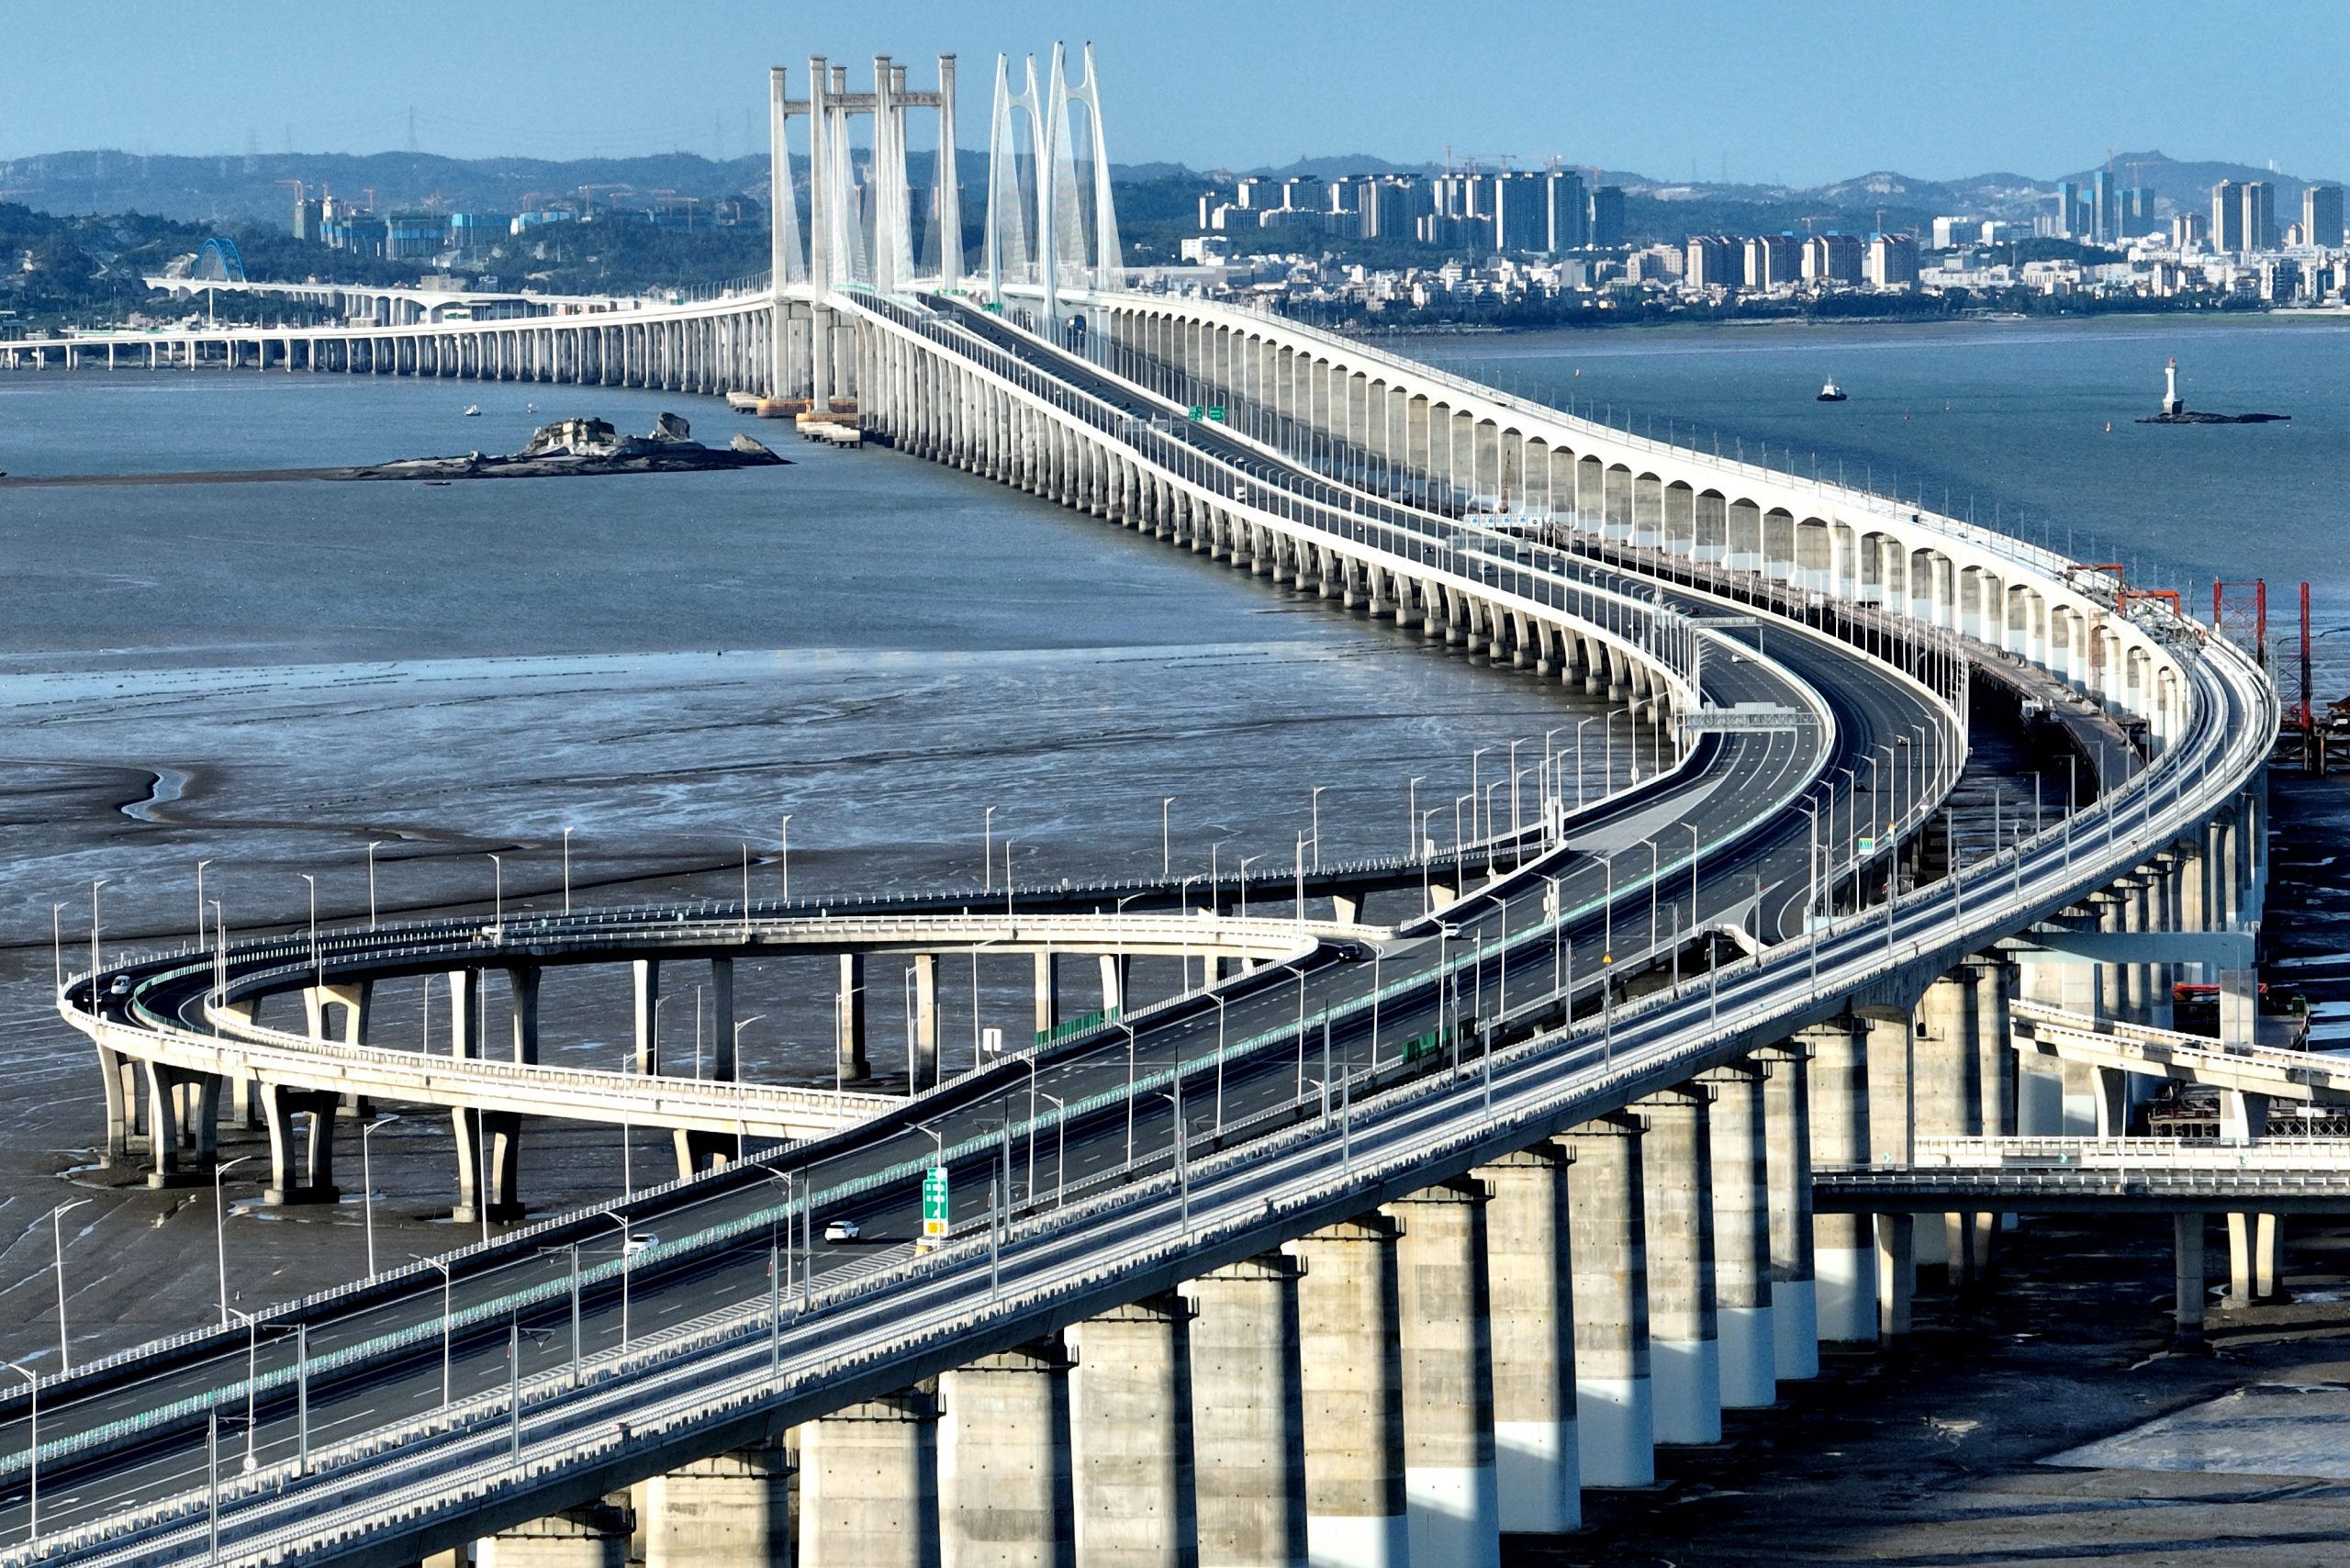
[1844, 93]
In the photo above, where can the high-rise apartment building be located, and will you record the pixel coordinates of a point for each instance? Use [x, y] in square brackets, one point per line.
[1833, 258]
[1521, 212]
[2227, 216]
[1607, 216]
[2322, 215]
[1570, 210]
[1772, 260]
[2259, 216]
[1711, 261]
[1892, 261]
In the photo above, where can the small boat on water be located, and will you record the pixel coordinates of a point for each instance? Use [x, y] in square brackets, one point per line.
[473, 410]
[1831, 392]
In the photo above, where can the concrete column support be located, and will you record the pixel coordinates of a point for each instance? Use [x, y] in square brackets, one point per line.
[1249, 1414]
[1614, 1421]
[300, 1172]
[1844, 1246]
[1451, 1497]
[1738, 1131]
[848, 1020]
[868, 1485]
[1794, 1306]
[596, 1536]
[1004, 1498]
[722, 1065]
[1350, 1340]
[925, 1003]
[733, 1511]
[1529, 1257]
[1897, 1272]
[1047, 993]
[522, 982]
[464, 1013]
[2187, 1313]
[1130, 1438]
[647, 973]
[1685, 1352]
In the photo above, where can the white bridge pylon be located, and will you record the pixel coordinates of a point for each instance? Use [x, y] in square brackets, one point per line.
[1046, 227]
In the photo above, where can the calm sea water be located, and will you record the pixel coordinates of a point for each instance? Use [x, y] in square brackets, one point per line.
[2009, 420]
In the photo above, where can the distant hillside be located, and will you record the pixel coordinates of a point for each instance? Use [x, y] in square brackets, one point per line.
[235, 191]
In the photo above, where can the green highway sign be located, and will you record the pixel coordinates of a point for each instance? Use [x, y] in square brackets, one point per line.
[1197, 413]
[1215, 412]
[1868, 846]
[934, 1200]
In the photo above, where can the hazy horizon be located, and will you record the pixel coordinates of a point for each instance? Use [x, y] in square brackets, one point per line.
[1714, 92]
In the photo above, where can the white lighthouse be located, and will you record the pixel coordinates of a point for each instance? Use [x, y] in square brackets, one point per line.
[2171, 405]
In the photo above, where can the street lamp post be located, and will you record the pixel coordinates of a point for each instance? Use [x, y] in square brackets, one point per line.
[566, 873]
[448, 1317]
[1412, 817]
[987, 851]
[497, 895]
[368, 1180]
[1166, 838]
[627, 1251]
[1475, 758]
[1316, 803]
[317, 964]
[1579, 729]
[32, 1449]
[57, 1237]
[1060, 1146]
[199, 900]
[784, 859]
[95, 964]
[220, 1230]
[376, 844]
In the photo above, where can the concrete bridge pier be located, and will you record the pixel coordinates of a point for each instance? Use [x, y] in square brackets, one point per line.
[121, 1105]
[1844, 1246]
[1738, 1129]
[1529, 1258]
[1949, 1098]
[868, 1485]
[721, 1065]
[1047, 993]
[2256, 1257]
[1786, 1116]
[848, 1021]
[924, 1066]
[166, 1129]
[1351, 1342]
[464, 1013]
[1249, 1414]
[1677, 1181]
[355, 1000]
[1131, 1438]
[1451, 1495]
[522, 987]
[1615, 1418]
[489, 1153]
[299, 1172]
[2189, 1287]
[596, 1536]
[731, 1511]
[646, 1015]
[1004, 1483]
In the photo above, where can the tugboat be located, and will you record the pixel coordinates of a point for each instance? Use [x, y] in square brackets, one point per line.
[1831, 392]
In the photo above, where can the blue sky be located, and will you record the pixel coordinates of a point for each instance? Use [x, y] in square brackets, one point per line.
[1758, 89]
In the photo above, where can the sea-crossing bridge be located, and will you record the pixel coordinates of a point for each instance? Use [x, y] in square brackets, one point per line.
[1364, 1241]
